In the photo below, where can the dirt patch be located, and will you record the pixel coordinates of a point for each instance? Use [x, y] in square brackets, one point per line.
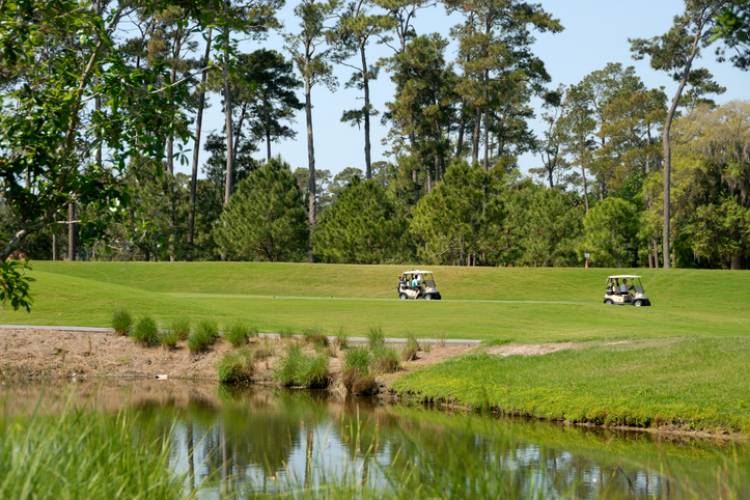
[532, 349]
[43, 354]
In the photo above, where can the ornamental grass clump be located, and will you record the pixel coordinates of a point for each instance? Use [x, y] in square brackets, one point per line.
[298, 369]
[385, 360]
[146, 332]
[205, 335]
[181, 328]
[342, 340]
[356, 377]
[122, 322]
[238, 334]
[168, 339]
[315, 337]
[375, 338]
[411, 349]
[237, 367]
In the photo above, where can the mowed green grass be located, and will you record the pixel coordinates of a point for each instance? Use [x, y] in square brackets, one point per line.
[518, 304]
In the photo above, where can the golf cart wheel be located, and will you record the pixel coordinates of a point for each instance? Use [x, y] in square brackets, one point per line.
[402, 296]
[428, 297]
[609, 302]
[638, 303]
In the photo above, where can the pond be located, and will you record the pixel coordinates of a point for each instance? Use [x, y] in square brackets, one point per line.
[250, 442]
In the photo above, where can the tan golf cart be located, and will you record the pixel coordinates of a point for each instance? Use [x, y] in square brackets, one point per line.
[417, 284]
[625, 289]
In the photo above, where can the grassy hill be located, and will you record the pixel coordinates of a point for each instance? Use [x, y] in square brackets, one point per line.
[516, 304]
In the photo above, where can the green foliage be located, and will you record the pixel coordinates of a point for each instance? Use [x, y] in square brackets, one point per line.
[385, 360]
[315, 337]
[205, 335]
[169, 339]
[86, 454]
[342, 339]
[181, 328]
[238, 334]
[122, 321]
[358, 359]
[364, 226]
[265, 218]
[15, 285]
[300, 370]
[375, 337]
[611, 229]
[146, 332]
[237, 367]
[409, 353]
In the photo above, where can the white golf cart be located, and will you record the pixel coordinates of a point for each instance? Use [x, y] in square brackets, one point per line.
[417, 284]
[625, 289]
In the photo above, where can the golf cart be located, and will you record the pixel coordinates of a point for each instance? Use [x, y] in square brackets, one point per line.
[625, 289]
[417, 284]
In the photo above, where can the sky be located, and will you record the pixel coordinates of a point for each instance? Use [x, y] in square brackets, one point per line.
[596, 33]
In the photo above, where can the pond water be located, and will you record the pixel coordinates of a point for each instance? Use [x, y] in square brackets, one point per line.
[254, 441]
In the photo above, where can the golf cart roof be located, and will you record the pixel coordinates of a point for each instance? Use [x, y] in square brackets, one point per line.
[624, 276]
[417, 271]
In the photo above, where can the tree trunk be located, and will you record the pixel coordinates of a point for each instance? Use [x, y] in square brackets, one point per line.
[228, 177]
[667, 145]
[486, 140]
[585, 190]
[461, 132]
[475, 137]
[268, 145]
[311, 188]
[72, 243]
[366, 88]
[197, 142]
[238, 134]
[736, 263]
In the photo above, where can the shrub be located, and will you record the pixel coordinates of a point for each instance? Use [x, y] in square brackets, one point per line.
[146, 332]
[376, 338]
[315, 338]
[204, 336]
[181, 328]
[385, 360]
[410, 349]
[236, 367]
[122, 322]
[358, 358]
[168, 339]
[238, 334]
[299, 370]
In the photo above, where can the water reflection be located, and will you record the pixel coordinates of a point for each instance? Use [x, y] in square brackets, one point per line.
[249, 442]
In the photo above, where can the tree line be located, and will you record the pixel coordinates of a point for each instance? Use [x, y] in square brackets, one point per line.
[101, 99]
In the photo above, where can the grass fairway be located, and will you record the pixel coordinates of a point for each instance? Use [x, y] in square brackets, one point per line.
[684, 365]
[520, 305]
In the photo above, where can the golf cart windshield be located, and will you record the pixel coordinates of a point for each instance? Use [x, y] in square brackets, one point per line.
[625, 282]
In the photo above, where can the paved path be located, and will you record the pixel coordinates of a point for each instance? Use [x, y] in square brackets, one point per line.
[353, 339]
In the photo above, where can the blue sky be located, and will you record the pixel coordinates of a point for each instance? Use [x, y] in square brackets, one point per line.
[596, 32]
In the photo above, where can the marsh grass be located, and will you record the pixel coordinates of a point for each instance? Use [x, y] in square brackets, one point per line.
[385, 360]
[205, 335]
[238, 334]
[168, 339]
[181, 328]
[410, 350]
[146, 332]
[342, 339]
[375, 338]
[298, 369]
[122, 322]
[237, 367]
[83, 455]
[315, 337]
[356, 376]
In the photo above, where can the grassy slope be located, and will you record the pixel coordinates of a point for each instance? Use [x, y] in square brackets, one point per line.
[541, 304]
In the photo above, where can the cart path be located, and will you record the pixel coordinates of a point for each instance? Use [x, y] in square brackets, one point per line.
[353, 339]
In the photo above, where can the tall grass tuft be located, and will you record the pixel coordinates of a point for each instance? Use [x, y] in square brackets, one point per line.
[409, 353]
[181, 328]
[168, 339]
[122, 322]
[300, 370]
[385, 360]
[205, 335]
[237, 367]
[238, 334]
[83, 455]
[146, 332]
[315, 337]
[342, 340]
[375, 338]
[356, 377]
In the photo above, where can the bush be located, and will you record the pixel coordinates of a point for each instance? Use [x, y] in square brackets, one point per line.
[204, 336]
[181, 328]
[315, 338]
[358, 358]
[376, 338]
[410, 349]
[385, 360]
[122, 322]
[146, 332]
[300, 370]
[168, 339]
[236, 367]
[238, 334]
